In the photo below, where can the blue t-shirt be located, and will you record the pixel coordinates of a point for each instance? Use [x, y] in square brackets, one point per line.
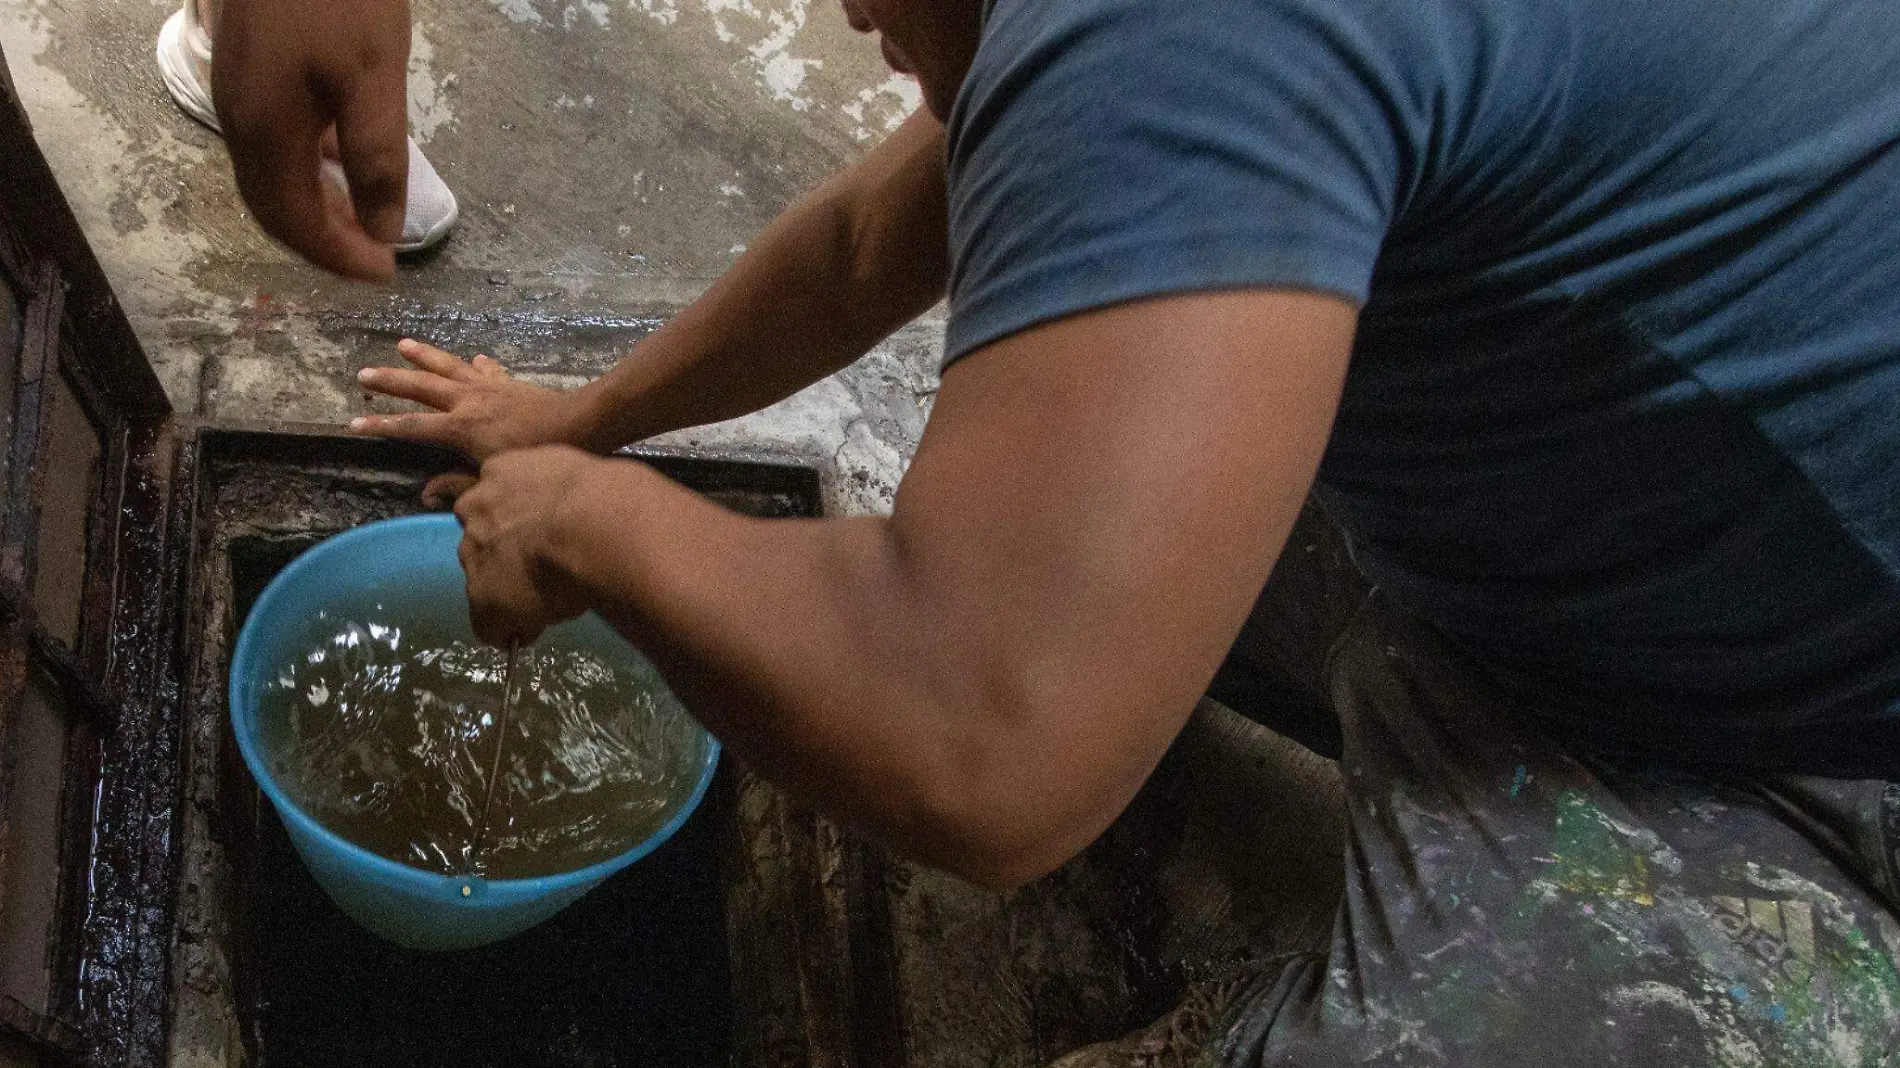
[1621, 418]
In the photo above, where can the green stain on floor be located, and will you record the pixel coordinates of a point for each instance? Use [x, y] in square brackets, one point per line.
[1593, 858]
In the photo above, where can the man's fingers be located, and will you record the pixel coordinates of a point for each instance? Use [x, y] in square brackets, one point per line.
[501, 616]
[372, 130]
[423, 387]
[281, 179]
[315, 224]
[429, 428]
[287, 72]
[447, 488]
[434, 360]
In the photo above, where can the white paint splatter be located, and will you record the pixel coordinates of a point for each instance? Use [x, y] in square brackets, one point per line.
[1720, 1029]
[910, 97]
[743, 7]
[779, 71]
[784, 74]
[597, 11]
[730, 189]
[1784, 883]
[664, 12]
[429, 108]
[892, 101]
[520, 12]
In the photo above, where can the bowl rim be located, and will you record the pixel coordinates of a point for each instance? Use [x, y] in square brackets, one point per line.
[243, 725]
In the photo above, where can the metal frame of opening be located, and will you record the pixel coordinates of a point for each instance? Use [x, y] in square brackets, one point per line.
[106, 972]
[26, 648]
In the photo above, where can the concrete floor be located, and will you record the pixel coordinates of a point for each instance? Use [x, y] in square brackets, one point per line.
[611, 158]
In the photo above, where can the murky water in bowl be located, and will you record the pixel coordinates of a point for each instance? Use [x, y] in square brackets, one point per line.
[383, 729]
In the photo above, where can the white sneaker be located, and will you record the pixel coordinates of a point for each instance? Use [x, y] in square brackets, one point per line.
[184, 58]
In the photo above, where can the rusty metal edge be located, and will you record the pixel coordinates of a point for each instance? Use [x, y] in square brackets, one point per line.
[39, 355]
[76, 326]
[809, 916]
[879, 1039]
[292, 442]
[29, 650]
[124, 982]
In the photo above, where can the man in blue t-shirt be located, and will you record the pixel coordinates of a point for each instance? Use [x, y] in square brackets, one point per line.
[1580, 316]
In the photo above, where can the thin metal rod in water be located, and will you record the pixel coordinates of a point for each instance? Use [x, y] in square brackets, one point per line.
[494, 764]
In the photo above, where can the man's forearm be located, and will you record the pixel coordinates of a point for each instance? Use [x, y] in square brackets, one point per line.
[984, 677]
[835, 274]
[805, 646]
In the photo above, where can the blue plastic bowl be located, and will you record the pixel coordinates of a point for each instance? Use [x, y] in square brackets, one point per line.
[407, 906]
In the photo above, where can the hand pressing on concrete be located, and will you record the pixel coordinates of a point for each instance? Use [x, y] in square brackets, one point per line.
[288, 71]
[478, 408]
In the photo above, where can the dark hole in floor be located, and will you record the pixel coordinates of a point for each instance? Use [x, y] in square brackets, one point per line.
[635, 973]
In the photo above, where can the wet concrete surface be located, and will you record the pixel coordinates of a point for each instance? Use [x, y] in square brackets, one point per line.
[611, 158]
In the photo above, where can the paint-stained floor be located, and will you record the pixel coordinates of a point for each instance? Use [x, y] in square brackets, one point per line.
[611, 158]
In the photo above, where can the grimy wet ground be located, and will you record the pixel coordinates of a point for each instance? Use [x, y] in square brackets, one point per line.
[611, 159]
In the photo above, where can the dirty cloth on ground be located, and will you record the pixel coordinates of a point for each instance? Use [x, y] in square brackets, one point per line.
[1508, 903]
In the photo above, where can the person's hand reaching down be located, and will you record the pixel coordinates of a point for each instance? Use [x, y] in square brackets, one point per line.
[477, 408]
[289, 72]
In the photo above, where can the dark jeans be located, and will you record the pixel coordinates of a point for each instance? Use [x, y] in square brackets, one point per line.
[1512, 903]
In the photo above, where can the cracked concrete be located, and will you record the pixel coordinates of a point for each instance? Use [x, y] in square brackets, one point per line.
[658, 136]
